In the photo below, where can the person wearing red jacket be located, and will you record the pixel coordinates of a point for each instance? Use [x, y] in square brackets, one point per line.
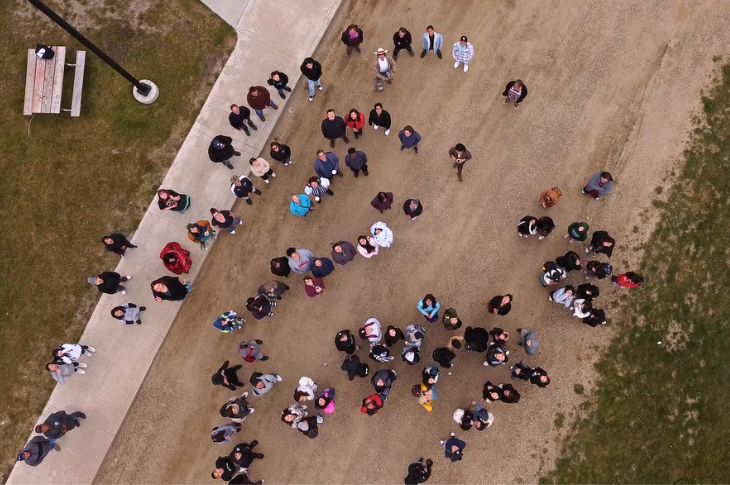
[628, 280]
[356, 122]
[371, 404]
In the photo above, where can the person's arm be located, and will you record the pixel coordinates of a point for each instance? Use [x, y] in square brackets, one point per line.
[454, 51]
[324, 129]
[523, 94]
[435, 310]
[606, 189]
[506, 88]
[421, 309]
[418, 138]
[306, 202]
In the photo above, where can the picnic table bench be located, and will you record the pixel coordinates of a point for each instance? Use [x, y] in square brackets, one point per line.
[44, 82]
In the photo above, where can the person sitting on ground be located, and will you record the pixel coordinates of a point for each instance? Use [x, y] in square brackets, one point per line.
[499, 336]
[444, 356]
[537, 375]
[596, 317]
[418, 471]
[59, 372]
[429, 307]
[496, 355]
[451, 320]
[503, 392]
[598, 269]
[383, 201]
[371, 404]
[367, 247]
[263, 383]
[582, 308]
[587, 291]
[380, 353]
[552, 274]
[599, 185]
[563, 296]
[412, 208]
[171, 200]
[343, 252]
[222, 434]
[392, 335]
[544, 226]
[570, 261]
[354, 368]
[476, 339]
[601, 243]
[345, 342]
[372, 331]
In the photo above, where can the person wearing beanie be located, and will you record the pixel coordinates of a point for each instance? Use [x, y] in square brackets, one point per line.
[243, 454]
[36, 450]
[128, 314]
[59, 423]
[109, 282]
[326, 401]
[459, 155]
[357, 161]
[117, 243]
[463, 53]
[242, 186]
[599, 185]
[312, 71]
[384, 68]
[259, 99]
[221, 150]
[515, 92]
[343, 252]
[402, 41]
[379, 118]
[239, 117]
[280, 153]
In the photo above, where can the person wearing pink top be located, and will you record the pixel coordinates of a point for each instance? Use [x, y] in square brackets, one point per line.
[261, 168]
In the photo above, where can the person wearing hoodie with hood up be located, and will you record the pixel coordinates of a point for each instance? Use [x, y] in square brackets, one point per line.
[382, 382]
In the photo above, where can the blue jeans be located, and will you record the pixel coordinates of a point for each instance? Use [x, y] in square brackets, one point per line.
[260, 112]
[311, 84]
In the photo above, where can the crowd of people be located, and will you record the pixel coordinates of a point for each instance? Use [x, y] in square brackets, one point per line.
[381, 344]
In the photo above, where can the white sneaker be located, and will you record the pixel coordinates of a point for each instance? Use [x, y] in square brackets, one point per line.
[240, 222]
[129, 277]
[387, 132]
[376, 127]
[267, 181]
[233, 232]
[91, 349]
[123, 292]
[320, 87]
[81, 371]
[278, 378]
[311, 98]
[466, 67]
[251, 410]
[245, 394]
[273, 174]
[485, 364]
[82, 365]
[456, 64]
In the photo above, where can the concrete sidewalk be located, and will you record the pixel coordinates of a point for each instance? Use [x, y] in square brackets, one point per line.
[271, 35]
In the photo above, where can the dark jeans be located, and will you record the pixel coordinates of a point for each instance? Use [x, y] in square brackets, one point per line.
[398, 49]
[356, 171]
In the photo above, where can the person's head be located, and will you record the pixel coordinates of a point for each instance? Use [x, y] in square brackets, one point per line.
[363, 241]
[234, 408]
[344, 337]
[382, 196]
[253, 91]
[352, 28]
[463, 40]
[313, 181]
[217, 473]
[51, 367]
[378, 108]
[330, 114]
[500, 357]
[235, 109]
[159, 287]
[460, 147]
[429, 300]
[163, 194]
[318, 262]
[392, 331]
[300, 396]
[259, 384]
[413, 204]
[309, 63]
[252, 160]
[193, 228]
[569, 290]
[321, 155]
[518, 84]
[402, 32]
[380, 53]
[308, 281]
[107, 240]
[506, 299]
[545, 380]
[429, 29]
[295, 199]
[290, 252]
[605, 177]
[235, 180]
[321, 402]
[275, 146]
[478, 424]
[455, 343]
[213, 211]
[117, 312]
[42, 428]
[275, 76]
[23, 455]
[337, 248]
[354, 114]
[408, 130]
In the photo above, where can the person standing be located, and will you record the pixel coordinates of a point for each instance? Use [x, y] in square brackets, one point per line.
[221, 150]
[429, 307]
[250, 351]
[242, 186]
[239, 117]
[384, 68]
[237, 409]
[379, 118]
[453, 448]
[280, 266]
[550, 197]
[327, 165]
[128, 314]
[170, 200]
[259, 99]
[352, 37]
[273, 290]
[36, 450]
[345, 342]
[570, 261]
[354, 367]
[500, 305]
[170, 288]
[343, 252]
[200, 232]
[263, 383]
[260, 307]
[322, 267]
[537, 375]
[117, 243]
[261, 168]
[313, 286]
[409, 138]
[577, 231]
[280, 153]
[463, 53]
[412, 208]
[225, 220]
[312, 70]
[402, 41]
[59, 372]
[601, 243]
[371, 404]
[300, 260]
[356, 122]
[357, 161]
[318, 188]
[418, 471]
[109, 282]
[334, 127]
[243, 455]
[300, 205]
[227, 377]
[382, 202]
[59, 423]
[367, 247]
[514, 92]
[451, 319]
[598, 269]
[432, 41]
[599, 185]
[459, 156]
[279, 80]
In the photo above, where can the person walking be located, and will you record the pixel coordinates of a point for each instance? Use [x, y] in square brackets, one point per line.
[409, 138]
[382, 234]
[170, 288]
[117, 243]
[109, 282]
[352, 37]
[261, 168]
[259, 99]
[367, 247]
[412, 208]
[273, 290]
[327, 165]
[224, 220]
[300, 205]
[463, 53]
[70, 353]
[537, 375]
[280, 153]
[334, 127]
[343, 252]
[356, 122]
[345, 342]
[402, 41]
[280, 266]
[500, 305]
[228, 322]
[36, 450]
[453, 448]
[59, 423]
[628, 280]
[300, 260]
[601, 243]
[260, 307]
[550, 197]
[312, 70]
[250, 351]
[237, 409]
[313, 286]
[356, 161]
[432, 41]
[263, 383]
[379, 118]
[322, 267]
[200, 232]
[569, 261]
[515, 92]
[242, 187]
[221, 150]
[459, 156]
[240, 119]
[451, 320]
[279, 81]
[128, 314]
[59, 372]
[227, 377]
[599, 185]
[528, 341]
[577, 232]
[384, 68]
[429, 307]
[318, 188]
[382, 202]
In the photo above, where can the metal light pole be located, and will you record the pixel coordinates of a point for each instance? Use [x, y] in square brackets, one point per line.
[144, 91]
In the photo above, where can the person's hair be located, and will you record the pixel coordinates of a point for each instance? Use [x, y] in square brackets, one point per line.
[48, 365]
[330, 110]
[274, 73]
[430, 27]
[299, 394]
[510, 296]
[352, 26]
[312, 179]
[320, 151]
[634, 277]
[569, 287]
[588, 306]
[252, 89]
[191, 226]
[115, 309]
[606, 175]
[251, 160]
[455, 342]
[234, 179]
[213, 210]
[409, 128]
[353, 110]
[163, 191]
[519, 82]
[464, 38]
[284, 414]
[382, 196]
[378, 104]
[105, 237]
[234, 106]
[402, 29]
[249, 303]
[351, 150]
[290, 251]
[429, 296]
[368, 247]
[274, 144]
[308, 278]
[460, 147]
[219, 437]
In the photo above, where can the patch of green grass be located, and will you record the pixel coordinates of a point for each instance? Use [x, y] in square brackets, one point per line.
[579, 389]
[659, 412]
[559, 421]
[67, 181]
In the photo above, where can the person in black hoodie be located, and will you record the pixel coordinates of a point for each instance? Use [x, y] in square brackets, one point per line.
[402, 40]
[279, 80]
[280, 153]
[227, 377]
[221, 150]
[597, 317]
[334, 127]
[601, 243]
[587, 291]
[354, 367]
[243, 454]
[312, 70]
[239, 117]
[109, 282]
[170, 288]
[117, 243]
[280, 266]
[225, 468]
[352, 37]
[393, 335]
[570, 261]
[476, 339]
[536, 375]
[379, 118]
[345, 342]
[418, 471]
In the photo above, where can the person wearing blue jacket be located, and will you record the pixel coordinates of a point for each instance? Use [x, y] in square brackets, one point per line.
[429, 308]
[432, 41]
[409, 138]
[599, 185]
[453, 448]
[300, 205]
[327, 165]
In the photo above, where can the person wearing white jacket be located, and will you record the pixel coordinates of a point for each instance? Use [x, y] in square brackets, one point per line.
[372, 331]
[306, 390]
[70, 353]
[382, 234]
[582, 307]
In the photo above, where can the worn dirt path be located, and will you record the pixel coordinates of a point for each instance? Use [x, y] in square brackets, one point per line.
[612, 86]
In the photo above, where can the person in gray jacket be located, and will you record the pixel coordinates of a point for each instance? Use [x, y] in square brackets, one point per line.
[343, 252]
[528, 341]
[263, 383]
[36, 450]
[128, 314]
[300, 260]
[59, 372]
[59, 423]
[599, 185]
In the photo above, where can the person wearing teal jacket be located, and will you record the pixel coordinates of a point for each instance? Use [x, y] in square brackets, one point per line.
[300, 205]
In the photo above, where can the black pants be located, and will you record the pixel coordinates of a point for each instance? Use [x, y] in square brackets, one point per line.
[398, 49]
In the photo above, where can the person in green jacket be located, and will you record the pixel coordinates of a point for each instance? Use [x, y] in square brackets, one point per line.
[577, 231]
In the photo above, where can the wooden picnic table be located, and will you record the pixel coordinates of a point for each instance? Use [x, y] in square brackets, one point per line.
[44, 82]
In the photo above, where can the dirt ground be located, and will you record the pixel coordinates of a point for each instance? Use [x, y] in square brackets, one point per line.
[612, 85]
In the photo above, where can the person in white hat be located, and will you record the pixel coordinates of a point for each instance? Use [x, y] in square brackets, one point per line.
[384, 68]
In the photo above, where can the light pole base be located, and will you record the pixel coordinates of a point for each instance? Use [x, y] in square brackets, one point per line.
[151, 96]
